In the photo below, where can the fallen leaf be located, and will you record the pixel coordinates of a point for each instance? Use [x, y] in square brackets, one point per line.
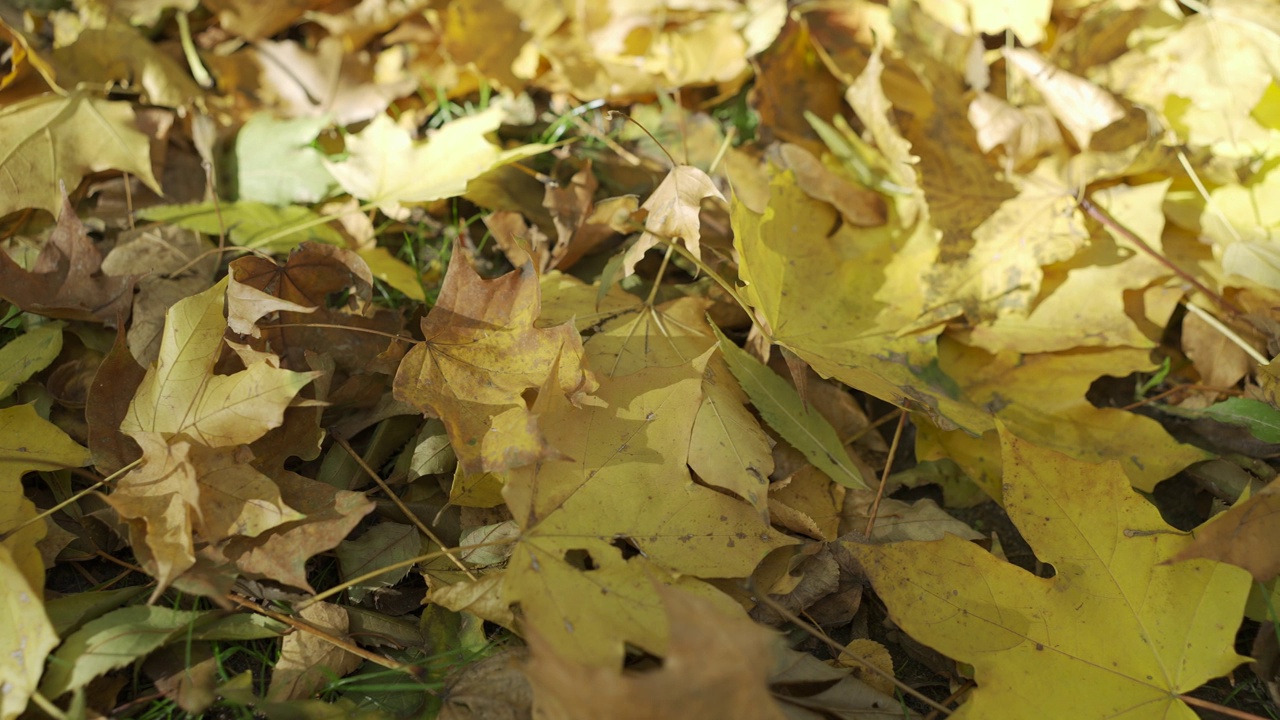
[28, 354]
[1246, 535]
[252, 225]
[1112, 618]
[383, 163]
[180, 395]
[28, 442]
[50, 141]
[384, 544]
[674, 208]
[113, 641]
[281, 553]
[66, 280]
[627, 488]
[717, 666]
[780, 405]
[307, 660]
[482, 352]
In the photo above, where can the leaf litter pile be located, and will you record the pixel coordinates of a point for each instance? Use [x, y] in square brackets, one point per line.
[632, 359]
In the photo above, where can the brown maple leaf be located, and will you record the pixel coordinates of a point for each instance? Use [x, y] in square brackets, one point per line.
[66, 280]
[481, 356]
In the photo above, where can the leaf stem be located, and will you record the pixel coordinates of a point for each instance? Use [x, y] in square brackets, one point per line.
[1223, 709]
[1228, 333]
[1115, 226]
[884, 476]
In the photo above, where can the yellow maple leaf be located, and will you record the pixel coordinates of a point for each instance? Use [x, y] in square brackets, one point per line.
[1113, 633]
[481, 354]
[386, 166]
[180, 395]
[53, 139]
[597, 530]
[26, 637]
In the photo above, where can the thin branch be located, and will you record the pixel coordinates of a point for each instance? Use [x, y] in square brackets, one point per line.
[403, 508]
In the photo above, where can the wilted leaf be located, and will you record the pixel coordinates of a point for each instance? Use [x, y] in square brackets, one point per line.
[481, 354]
[1112, 619]
[66, 280]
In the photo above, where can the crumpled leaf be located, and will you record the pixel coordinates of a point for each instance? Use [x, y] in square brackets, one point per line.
[717, 665]
[53, 140]
[482, 352]
[1114, 620]
[66, 280]
[180, 395]
[673, 210]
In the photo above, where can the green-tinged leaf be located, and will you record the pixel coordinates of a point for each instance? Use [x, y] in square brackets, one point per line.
[394, 272]
[780, 406]
[27, 355]
[253, 225]
[1261, 419]
[112, 641]
[383, 545]
[276, 164]
[69, 612]
[26, 637]
[432, 453]
[240, 628]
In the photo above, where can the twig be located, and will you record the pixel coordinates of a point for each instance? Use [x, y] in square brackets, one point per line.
[403, 508]
[1223, 709]
[1115, 226]
[842, 650]
[884, 476]
[410, 670]
[7, 533]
